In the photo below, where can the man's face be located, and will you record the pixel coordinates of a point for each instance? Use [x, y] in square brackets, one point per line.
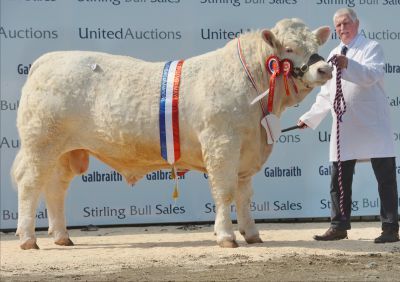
[346, 28]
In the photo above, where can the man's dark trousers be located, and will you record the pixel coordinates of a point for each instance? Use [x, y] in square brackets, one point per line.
[385, 173]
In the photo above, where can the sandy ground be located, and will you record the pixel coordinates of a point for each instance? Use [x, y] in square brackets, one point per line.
[189, 252]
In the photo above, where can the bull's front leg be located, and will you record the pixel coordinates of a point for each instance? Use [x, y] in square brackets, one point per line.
[223, 224]
[247, 226]
[221, 156]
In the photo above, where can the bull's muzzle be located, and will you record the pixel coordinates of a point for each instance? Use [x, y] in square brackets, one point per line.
[300, 71]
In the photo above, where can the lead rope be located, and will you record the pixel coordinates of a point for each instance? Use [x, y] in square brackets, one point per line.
[339, 106]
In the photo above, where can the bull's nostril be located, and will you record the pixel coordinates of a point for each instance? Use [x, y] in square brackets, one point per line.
[325, 71]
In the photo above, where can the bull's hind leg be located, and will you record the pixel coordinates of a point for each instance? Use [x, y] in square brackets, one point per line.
[221, 157]
[247, 226]
[70, 164]
[30, 176]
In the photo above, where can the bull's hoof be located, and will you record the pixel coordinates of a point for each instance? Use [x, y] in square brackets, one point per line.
[64, 242]
[254, 240]
[228, 244]
[29, 245]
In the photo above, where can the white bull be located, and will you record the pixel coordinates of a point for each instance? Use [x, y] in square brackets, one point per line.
[76, 104]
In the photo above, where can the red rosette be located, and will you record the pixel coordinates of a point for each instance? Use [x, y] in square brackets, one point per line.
[287, 67]
[273, 67]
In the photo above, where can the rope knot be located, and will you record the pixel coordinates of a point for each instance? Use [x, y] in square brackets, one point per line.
[339, 104]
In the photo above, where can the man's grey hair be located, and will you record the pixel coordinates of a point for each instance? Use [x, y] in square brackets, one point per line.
[346, 11]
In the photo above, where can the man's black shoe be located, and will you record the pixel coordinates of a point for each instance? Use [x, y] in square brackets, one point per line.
[387, 237]
[331, 234]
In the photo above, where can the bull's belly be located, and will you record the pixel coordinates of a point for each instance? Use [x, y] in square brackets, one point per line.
[135, 160]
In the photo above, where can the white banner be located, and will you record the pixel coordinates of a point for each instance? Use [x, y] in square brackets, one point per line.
[294, 182]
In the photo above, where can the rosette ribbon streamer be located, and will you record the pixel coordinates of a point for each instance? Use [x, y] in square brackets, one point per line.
[169, 117]
[273, 67]
[276, 67]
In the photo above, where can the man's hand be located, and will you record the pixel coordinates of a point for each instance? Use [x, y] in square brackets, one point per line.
[301, 124]
[341, 61]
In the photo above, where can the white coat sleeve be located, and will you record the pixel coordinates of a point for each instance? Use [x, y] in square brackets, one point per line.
[369, 70]
[319, 109]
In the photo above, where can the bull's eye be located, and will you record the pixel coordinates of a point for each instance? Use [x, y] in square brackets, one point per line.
[289, 50]
[304, 68]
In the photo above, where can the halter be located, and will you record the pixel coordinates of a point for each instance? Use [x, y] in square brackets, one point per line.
[275, 67]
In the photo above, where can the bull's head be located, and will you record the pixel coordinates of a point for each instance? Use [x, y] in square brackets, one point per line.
[291, 39]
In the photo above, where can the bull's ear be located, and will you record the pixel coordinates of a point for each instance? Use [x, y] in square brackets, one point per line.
[322, 33]
[270, 38]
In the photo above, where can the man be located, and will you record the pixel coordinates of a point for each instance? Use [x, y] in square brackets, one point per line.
[365, 129]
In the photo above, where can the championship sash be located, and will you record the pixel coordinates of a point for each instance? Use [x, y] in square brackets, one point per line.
[169, 111]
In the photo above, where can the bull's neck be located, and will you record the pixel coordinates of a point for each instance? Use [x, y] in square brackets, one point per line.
[255, 51]
[253, 48]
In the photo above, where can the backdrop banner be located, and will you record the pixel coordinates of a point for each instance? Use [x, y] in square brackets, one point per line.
[294, 182]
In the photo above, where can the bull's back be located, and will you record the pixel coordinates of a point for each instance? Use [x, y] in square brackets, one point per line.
[93, 94]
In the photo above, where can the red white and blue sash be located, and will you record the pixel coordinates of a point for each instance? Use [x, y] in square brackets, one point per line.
[169, 112]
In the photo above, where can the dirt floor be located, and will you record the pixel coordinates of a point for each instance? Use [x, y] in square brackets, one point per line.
[190, 253]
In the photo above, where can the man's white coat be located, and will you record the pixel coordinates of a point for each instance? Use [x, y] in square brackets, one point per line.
[366, 130]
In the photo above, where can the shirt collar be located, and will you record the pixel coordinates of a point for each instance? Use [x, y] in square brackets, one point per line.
[351, 44]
